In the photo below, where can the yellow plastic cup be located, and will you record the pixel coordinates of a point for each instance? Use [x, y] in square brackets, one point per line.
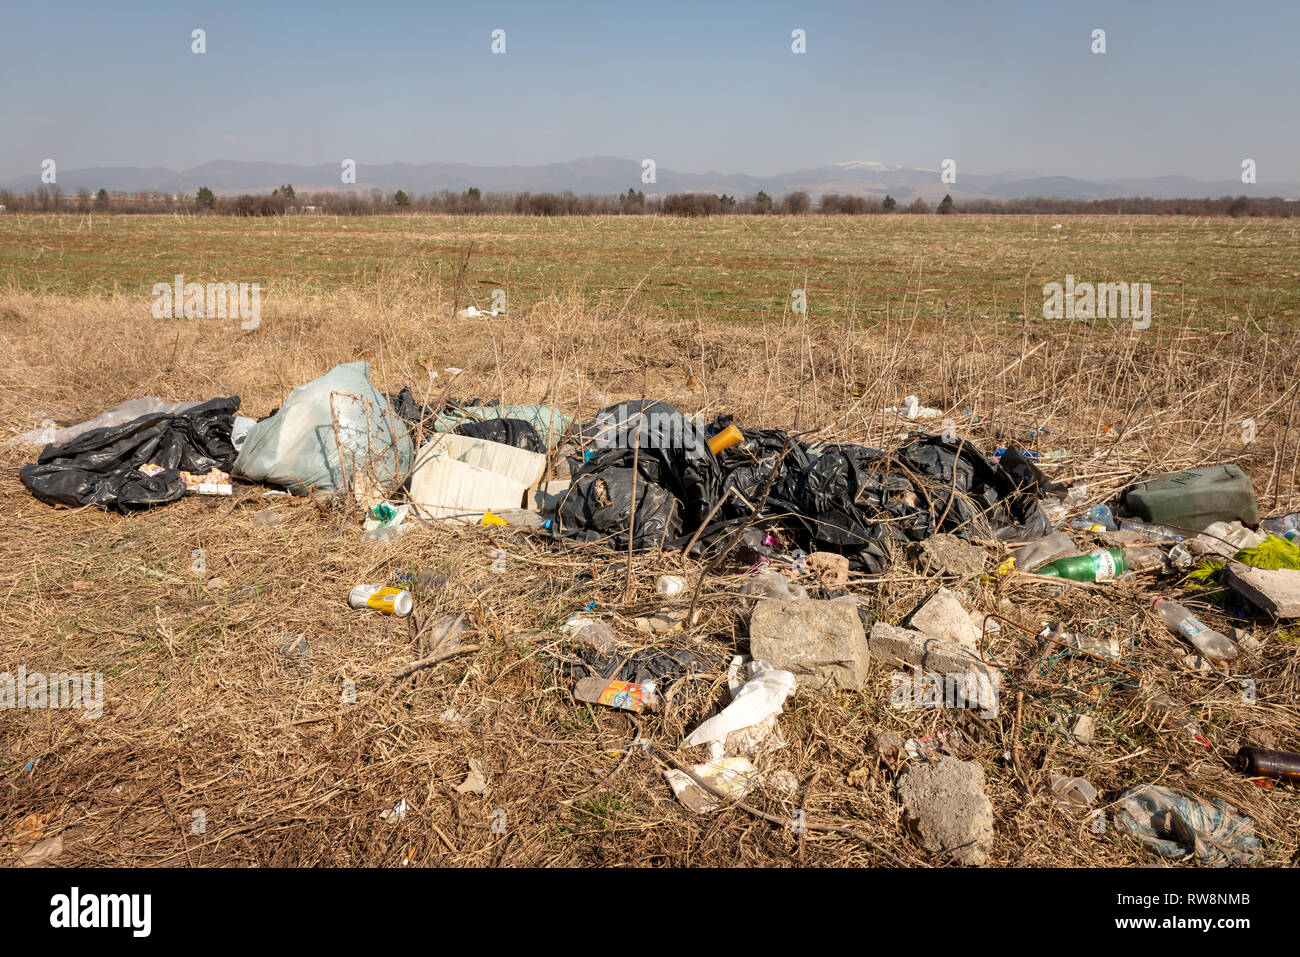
[725, 439]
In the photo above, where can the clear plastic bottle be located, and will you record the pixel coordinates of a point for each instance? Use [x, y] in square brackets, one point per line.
[1210, 643]
[1281, 525]
[1044, 550]
[1157, 533]
[1144, 558]
[1101, 515]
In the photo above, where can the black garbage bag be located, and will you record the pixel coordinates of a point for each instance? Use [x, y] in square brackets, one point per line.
[514, 432]
[852, 499]
[408, 408]
[669, 450]
[617, 425]
[412, 411]
[596, 508]
[980, 499]
[101, 467]
[748, 466]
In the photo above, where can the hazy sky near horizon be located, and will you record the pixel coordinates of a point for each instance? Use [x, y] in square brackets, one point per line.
[1189, 88]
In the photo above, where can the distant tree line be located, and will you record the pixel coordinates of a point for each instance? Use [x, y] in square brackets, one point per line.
[284, 200]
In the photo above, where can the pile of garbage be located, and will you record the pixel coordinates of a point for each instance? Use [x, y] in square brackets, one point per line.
[802, 520]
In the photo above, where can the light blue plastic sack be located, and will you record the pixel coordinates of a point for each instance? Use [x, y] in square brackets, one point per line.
[296, 448]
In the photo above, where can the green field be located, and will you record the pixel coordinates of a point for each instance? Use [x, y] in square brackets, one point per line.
[1201, 270]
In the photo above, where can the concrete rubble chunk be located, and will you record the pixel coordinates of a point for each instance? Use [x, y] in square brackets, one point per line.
[943, 616]
[945, 804]
[946, 554]
[829, 567]
[821, 642]
[1273, 591]
[893, 645]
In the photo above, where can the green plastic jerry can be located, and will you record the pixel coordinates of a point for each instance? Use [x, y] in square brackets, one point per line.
[1195, 498]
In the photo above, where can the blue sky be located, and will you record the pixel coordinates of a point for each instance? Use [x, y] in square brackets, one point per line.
[1191, 87]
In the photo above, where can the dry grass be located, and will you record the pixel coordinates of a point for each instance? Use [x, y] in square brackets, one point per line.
[203, 711]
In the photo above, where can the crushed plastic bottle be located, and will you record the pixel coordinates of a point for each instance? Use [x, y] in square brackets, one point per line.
[1102, 515]
[1076, 494]
[1224, 539]
[1155, 533]
[1143, 558]
[268, 517]
[1056, 513]
[1084, 525]
[1046, 549]
[670, 586]
[1281, 524]
[1210, 643]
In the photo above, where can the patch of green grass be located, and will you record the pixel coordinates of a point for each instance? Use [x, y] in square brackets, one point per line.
[1200, 269]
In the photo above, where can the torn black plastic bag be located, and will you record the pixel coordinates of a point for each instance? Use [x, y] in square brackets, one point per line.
[101, 467]
[515, 432]
[668, 448]
[852, 499]
[614, 426]
[596, 508]
[980, 499]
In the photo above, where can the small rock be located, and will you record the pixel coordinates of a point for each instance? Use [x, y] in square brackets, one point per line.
[1083, 729]
[821, 642]
[946, 805]
[943, 616]
[1273, 591]
[891, 644]
[829, 567]
[946, 554]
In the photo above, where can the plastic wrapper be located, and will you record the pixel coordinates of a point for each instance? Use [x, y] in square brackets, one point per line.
[1177, 824]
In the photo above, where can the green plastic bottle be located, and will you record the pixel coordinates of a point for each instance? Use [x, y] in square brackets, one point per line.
[1097, 566]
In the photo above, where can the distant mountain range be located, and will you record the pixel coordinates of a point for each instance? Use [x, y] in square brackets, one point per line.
[607, 175]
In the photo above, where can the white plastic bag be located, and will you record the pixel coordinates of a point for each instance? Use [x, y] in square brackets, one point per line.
[297, 448]
[759, 698]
